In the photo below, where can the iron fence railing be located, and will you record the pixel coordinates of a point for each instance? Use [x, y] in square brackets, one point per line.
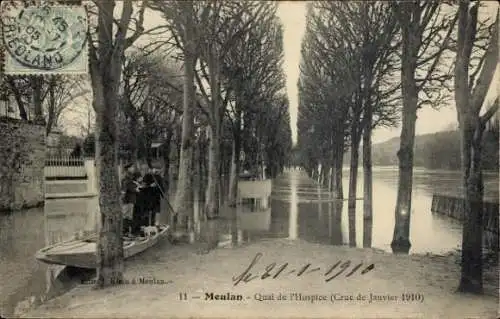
[65, 166]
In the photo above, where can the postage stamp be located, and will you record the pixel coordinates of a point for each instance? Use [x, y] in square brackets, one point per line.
[44, 39]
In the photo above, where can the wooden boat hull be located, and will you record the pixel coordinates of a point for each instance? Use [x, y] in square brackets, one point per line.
[82, 252]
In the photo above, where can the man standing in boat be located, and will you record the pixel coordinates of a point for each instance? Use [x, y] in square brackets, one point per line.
[153, 193]
[158, 194]
[129, 190]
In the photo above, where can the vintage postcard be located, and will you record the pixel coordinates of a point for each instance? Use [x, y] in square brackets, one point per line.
[249, 159]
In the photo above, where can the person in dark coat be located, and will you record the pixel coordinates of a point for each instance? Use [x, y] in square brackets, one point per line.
[153, 192]
[159, 194]
[141, 207]
[129, 191]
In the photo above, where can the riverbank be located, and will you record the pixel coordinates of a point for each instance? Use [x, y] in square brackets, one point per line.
[157, 282]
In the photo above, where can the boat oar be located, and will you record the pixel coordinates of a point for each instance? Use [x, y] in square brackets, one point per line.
[164, 196]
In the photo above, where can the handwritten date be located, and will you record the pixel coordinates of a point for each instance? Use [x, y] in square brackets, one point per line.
[274, 271]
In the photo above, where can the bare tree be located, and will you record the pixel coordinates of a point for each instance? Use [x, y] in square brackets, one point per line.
[253, 71]
[20, 88]
[227, 21]
[471, 89]
[61, 92]
[184, 21]
[106, 62]
[425, 33]
[354, 42]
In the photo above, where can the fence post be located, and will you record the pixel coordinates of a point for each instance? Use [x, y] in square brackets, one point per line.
[91, 176]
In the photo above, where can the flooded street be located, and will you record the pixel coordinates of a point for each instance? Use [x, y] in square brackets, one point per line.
[299, 209]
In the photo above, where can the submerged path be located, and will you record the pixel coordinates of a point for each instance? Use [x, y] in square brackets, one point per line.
[302, 209]
[283, 271]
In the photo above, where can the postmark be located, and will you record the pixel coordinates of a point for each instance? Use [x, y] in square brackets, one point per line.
[44, 39]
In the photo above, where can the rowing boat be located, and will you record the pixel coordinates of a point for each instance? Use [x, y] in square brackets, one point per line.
[82, 253]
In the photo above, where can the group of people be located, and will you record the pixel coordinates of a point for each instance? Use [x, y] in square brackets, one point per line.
[141, 198]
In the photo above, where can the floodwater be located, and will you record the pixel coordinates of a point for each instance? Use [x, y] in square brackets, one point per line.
[299, 209]
[25, 281]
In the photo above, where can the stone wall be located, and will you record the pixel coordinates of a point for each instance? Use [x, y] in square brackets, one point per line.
[22, 161]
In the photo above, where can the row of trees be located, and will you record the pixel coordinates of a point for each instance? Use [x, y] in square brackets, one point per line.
[44, 98]
[229, 97]
[346, 89]
[208, 84]
[41, 99]
[376, 63]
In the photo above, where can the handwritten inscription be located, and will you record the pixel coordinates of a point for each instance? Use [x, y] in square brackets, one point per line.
[274, 271]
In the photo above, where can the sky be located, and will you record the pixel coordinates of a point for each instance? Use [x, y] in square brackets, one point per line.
[292, 15]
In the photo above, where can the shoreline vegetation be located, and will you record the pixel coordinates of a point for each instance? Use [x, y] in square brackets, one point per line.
[437, 151]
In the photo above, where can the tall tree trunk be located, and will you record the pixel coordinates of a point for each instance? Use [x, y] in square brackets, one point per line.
[235, 164]
[212, 191]
[110, 247]
[367, 232]
[330, 177]
[105, 76]
[335, 219]
[19, 99]
[203, 169]
[367, 167]
[401, 237]
[353, 182]
[105, 71]
[166, 160]
[338, 162]
[326, 172]
[183, 202]
[232, 176]
[214, 152]
[472, 236]
[22, 110]
[195, 217]
[178, 148]
[51, 111]
[222, 170]
[134, 139]
[320, 173]
[469, 101]
[37, 83]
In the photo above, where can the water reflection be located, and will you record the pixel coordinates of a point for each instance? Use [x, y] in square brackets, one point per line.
[293, 228]
[300, 209]
[352, 226]
[25, 281]
[367, 232]
[335, 222]
[66, 217]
